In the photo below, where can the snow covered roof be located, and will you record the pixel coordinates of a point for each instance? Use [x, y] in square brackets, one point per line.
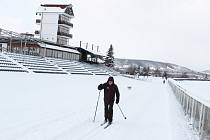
[62, 6]
[56, 8]
[94, 52]
[59, 48]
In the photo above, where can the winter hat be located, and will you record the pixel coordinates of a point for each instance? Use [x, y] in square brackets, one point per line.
[110, 79]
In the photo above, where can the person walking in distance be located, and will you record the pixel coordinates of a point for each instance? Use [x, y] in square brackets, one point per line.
[110, 91]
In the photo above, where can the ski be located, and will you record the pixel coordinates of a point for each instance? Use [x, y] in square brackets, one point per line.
[103, 123]
[107, 126]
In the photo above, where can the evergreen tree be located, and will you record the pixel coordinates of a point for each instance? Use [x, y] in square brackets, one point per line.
[184, 75]
[157, 72]
[109, 60]
[206, 77]
[131, 69]
[145, 71]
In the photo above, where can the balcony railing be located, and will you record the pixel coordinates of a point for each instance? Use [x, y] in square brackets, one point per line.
[65, 22]
[64, 34]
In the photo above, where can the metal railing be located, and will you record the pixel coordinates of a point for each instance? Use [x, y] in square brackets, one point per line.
[196, 110]
[64, 34]
[65, 22]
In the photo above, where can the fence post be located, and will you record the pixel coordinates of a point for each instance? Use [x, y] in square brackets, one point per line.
[187, 102]
[184, 106]
[194, 115]
[192, 111]
[180, 98]
[190, 107]
[201, 121]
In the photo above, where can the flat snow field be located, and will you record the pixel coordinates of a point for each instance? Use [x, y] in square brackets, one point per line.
[199, 89]
[61, 107]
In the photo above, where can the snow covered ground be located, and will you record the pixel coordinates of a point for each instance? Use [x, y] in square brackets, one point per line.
[61, 107]
[199, 89]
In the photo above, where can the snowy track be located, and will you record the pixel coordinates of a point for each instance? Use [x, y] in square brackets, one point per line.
[57, 107]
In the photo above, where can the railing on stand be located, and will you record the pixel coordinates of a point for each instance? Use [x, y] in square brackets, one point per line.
[196, 110]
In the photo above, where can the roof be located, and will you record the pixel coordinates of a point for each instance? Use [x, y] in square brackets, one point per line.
[59, 48]
[56, 8]
[62, 6]
[95, 53]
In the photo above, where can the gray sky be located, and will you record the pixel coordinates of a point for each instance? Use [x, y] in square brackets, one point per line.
[176, 31]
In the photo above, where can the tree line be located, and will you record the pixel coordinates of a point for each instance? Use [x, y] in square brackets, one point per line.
[144, 71]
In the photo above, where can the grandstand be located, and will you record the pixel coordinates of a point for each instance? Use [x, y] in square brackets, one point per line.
[24, 53]
[36, 64]
[72, 67]
[15, 62]
[8, 65]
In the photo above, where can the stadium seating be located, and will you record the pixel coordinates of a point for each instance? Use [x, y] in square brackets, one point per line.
[8, 65]
[36, 64]
[72, 67]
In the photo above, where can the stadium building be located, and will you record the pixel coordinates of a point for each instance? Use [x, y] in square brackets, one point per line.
[51, 38]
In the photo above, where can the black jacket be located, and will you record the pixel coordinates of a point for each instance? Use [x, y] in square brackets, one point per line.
[110, 92]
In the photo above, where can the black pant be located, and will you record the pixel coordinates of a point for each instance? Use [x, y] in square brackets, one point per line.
[108, 111]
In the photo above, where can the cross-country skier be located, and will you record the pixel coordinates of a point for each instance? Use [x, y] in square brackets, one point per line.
[110, 90]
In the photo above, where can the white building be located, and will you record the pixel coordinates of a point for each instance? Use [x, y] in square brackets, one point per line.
[54, 23]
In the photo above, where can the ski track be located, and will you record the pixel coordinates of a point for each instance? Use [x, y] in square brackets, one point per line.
[39, 128]
[147, 106]
[131, 102]
[34, 129]
[36, 122]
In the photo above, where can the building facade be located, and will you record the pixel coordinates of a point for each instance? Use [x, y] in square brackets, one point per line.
[54, 23]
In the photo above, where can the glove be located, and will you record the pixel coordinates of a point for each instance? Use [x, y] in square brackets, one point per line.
[100, 87]
[117, 101]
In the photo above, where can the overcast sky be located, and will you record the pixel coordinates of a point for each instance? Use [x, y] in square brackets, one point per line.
[175, 31]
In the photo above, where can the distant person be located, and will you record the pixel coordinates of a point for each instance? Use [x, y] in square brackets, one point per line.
[110, 91]
[165, 75]
[164, 81]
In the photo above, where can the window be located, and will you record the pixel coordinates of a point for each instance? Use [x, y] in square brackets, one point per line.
[73, 56]
[68, 56]
[49, 53]
[0, 47]
[42, 51]
[63, 29]
[61, 40]
[64, 18]
[56, 54]
[77, 57]
[53, 53]
[64, 55]
[59, 54]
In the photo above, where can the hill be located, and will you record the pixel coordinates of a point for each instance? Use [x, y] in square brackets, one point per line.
[206, 71]
[123, 63]
[156, 68]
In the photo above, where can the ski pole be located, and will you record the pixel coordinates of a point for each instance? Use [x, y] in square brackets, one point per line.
[121, 111]
[96, 106]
